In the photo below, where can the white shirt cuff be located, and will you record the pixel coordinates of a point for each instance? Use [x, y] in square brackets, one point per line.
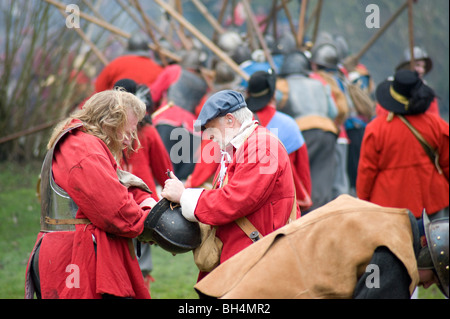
[188, 202]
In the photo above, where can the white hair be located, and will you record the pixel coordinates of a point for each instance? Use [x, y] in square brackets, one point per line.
[243, 115]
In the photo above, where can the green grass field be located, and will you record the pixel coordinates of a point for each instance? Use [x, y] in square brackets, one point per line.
[174, 276]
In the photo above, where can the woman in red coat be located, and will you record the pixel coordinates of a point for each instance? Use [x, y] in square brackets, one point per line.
[394, 170]
[91, 255]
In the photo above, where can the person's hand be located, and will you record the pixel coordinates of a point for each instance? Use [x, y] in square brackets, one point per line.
[148, 202]
[173, 189]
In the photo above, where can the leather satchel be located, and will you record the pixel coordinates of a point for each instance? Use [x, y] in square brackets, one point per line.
[207, 255]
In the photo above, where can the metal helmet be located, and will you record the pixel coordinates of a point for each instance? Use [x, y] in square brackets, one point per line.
[166, 226]
[286, 44]
[435, 254]
[342, 47]
[229, 41]
[270, 42]
[419, 54]
[295, 63]
[241, 54]
[326, 55]
[164, 44]
[187, 91]
[193, 59]
[224, 73]
[323, 37]
[258, 56]
[138, 44]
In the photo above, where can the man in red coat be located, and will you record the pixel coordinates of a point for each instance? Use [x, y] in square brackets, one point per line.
[85, 251]
[255, 178]
[263, 107]
[136, 65]
[394, 170]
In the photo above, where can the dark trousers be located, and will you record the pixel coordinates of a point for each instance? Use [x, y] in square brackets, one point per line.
[321, 148]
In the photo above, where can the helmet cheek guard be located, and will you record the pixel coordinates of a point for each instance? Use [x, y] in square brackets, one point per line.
[437, 237]
[167, 227]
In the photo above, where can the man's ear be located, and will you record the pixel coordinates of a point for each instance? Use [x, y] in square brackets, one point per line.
[229, 119]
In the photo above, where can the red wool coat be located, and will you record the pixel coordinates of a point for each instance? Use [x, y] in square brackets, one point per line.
[151, 161]
[204, 170]
[264, 193]
[299, 162]
[142, 70]
[99, 255]
[395, 171]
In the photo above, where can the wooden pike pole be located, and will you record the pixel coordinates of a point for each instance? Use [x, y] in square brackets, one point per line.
[279, 7]
[412, 62]
[256, 29]
[351, 61]
[148, 28]
[274, 20]
[131, 14]
[203, 39]
[220, 18]
[301, 23]
[187, 43]
[29, 131]
[291, 24]
[317, 20]
[204, 11]
[270, 18]
[112, 28]
[98, 15]
[83, 36]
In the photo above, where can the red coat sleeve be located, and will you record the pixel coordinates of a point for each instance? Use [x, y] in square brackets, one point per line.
[95, 188]
[86, 170]
[367, 166]
[164, 80]
[302, 176]
[247, 190]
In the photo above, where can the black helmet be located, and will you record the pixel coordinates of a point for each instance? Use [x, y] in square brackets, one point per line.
[138, 45]
[166, 227]
[326, 55]
[193, 59]
[435, 254]
[241, 54]
[295, 63]
[285, 44]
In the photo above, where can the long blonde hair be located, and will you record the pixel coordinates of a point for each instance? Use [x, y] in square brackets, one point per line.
[103, 115]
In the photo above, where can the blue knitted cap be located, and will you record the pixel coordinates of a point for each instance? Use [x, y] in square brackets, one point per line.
[217, 105]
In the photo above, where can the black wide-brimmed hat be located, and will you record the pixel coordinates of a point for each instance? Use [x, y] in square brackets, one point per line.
[405, 94]
[261, 88]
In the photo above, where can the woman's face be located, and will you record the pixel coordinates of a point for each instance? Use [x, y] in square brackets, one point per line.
[129, 132]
